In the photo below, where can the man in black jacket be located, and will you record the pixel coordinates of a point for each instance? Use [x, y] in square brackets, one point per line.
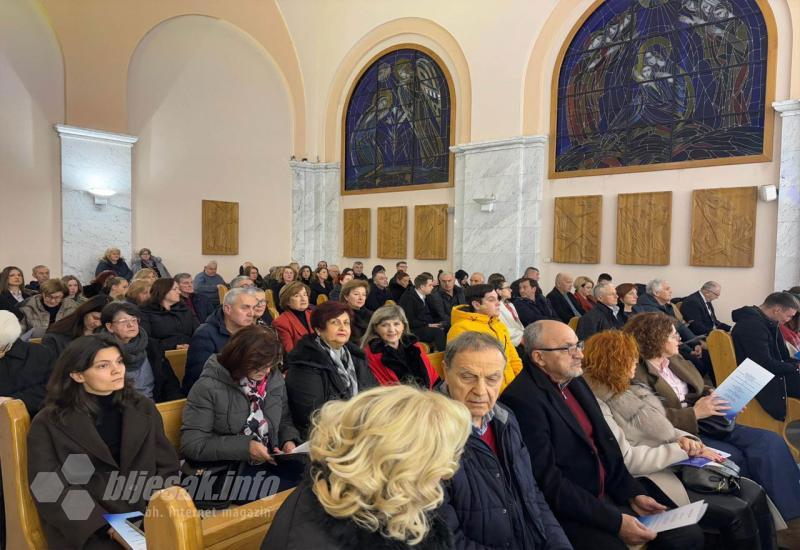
[493, 500]
[698, 311]
[576, 460]
[757, 336]
[378, 291]
[420, 320]
[443, 299]
[603, 316]
[531, 305]
[562, 300]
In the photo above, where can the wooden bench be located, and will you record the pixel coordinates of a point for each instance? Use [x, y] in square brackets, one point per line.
[35, 341]
[436, 360]
[222, 290]
[573, 323]
[723, 359]
[271, 307]
[177, 360]
[172, 417]
[321, 299]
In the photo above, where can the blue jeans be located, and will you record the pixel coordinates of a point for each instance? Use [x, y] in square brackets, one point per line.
[764, 457]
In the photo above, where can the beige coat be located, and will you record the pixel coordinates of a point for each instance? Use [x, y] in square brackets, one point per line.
[646, 438]
[36, 317]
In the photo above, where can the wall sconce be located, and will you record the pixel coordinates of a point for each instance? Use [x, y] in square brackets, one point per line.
[101, 195]
[487, 203]
[768, 193]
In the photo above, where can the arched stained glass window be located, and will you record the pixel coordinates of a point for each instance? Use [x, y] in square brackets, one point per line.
[397, 126]
[649, 82]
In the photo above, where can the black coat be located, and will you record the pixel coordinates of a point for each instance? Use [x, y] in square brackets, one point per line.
[359, 325]
[210, 337]
[144, 449]
[377, 297]
[302, 524]
[564, 461]
[600, 318]
[417, 311]
[494, 502]
[397, 291]
[647, 303]
[120, 268]
[530, 311]
[313, 379]
[561, 307]
[441, 303]
[695, 312]
[759, 338]
[166, 386]
[24, 371]
[9, 303]
[317, 289]
[169, 327]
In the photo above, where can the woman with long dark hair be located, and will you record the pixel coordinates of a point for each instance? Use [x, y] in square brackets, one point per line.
[94, 418]
[82, 322]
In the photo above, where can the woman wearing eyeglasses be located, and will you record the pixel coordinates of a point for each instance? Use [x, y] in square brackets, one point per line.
[325, 365]
[146, 366]
[762, 455]
[238, 409]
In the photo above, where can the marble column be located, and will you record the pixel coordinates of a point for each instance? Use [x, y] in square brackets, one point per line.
[506, 239]
[787, 248]
[94, 163]
[315, 212]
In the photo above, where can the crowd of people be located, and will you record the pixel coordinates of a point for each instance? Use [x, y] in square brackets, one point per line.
[556, 420]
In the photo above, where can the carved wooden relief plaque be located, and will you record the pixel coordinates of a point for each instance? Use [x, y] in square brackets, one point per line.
[356, 232]
[393, 232]
[644, 222]
[576, 232]
[724, 226]
[430, 232]
[220, 228]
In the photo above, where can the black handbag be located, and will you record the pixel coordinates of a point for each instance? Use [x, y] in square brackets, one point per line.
[714, 477]
[716, 427]
[206, 482]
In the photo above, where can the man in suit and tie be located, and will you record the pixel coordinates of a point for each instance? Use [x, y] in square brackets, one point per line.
[562, 300]
[420, 319]
[698, 311]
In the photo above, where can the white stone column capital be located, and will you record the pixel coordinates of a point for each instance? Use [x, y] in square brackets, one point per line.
[77, 132]
[518, 142]
[788, 107]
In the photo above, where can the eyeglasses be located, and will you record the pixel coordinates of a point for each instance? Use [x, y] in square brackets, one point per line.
[338, 323]
[571, 348]
[127, 322]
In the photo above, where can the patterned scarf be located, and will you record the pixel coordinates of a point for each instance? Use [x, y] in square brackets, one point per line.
[344, 365]
[256, 425]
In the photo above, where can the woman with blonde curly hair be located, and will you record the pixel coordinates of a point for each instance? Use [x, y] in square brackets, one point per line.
[377, 462]
[112, 260]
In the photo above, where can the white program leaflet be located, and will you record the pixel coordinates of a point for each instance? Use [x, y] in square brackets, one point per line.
[742, 385]
[678, 517]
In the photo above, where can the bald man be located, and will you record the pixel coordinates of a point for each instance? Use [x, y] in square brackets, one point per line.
[476, 278]
[576, 459]
[205, 283]
[562, 300]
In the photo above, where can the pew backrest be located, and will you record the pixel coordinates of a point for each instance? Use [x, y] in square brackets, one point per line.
[177, 360]
[172, 417]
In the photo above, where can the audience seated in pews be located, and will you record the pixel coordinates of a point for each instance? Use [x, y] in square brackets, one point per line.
[319, 284]
[418, 312]
[145, 259]
[564, 303]
[12, 290]
[650, 445]
[604, 314]
[146, 365]
[576, 460]
[375, 480]
[493, 500]
[194, 302]
[757, 336]
[400, 283]
[481, 313]
[168, 322]
[442, 300]
[325, 365]
[508, 313]
[24, 367]
[42, 310]
[238, 409]
[236, 312]
[531, 305]
[692, 407]
[138, 293]
[40, 273]
[73, 287]
[627, 297]
[584, 287]
[93, 410]
[112, 260]
[295, 321]
[354, 294]
[205, 283]
[698, 310]
[85, 320]
[378, 291]
[393, 353]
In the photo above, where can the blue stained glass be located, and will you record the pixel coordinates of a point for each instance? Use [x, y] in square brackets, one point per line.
[397, 129]
[651, 81]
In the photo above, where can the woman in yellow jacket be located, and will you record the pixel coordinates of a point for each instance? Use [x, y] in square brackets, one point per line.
[482, 314]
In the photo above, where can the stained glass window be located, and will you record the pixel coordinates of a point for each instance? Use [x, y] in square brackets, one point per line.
[645, 82]
[397, 128]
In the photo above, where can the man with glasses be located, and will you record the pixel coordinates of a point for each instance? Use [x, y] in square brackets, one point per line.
[698, 311]
[576, 460]
[603, 316]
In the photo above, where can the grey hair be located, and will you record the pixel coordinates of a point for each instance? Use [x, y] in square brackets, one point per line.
[385, 313]
[232, 294]
[655, 286]
[237, 281]
[531, 337]
[710, 285]
[471, 341]
[181, 276]
[212, 262]
[601, 289]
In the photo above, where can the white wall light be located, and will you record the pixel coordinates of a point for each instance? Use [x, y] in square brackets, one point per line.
[487, 203]
[101, 195]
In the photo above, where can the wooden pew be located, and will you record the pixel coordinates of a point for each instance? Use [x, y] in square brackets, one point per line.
[35, 341]
[222, 290]
[172, 416]
[177, 360]
[573, 323]
[271, 307]
[436, 362]
[321, 299]
[723, 359]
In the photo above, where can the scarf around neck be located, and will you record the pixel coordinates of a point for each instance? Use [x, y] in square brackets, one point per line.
[344, 365]
[135, 351]
[256, 426]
